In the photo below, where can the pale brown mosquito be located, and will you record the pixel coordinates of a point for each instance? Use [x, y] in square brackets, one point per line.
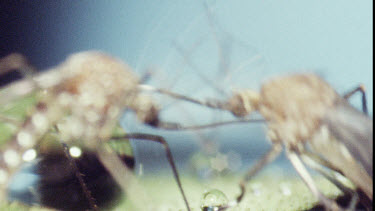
[304, 115]
[314, 124]
[82, 98]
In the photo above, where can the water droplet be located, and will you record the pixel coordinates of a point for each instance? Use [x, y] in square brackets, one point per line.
[213, 200]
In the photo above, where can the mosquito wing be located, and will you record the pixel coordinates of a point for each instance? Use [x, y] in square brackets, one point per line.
[355, 130]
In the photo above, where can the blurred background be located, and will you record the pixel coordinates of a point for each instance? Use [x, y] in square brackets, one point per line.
[202, 49]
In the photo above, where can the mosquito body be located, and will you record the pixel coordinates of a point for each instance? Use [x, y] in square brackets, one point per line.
[307, 117]
[303, 111]
[82, 98]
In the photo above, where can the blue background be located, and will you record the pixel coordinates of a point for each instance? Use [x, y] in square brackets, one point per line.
[331, 38]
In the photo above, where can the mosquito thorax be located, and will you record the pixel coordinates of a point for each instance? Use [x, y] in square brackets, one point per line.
[95, 87]
[295, 105]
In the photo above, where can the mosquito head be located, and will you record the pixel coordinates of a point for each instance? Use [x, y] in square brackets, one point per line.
[243, 102]
[146, 110]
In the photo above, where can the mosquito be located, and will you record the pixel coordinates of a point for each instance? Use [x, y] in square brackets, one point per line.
[314, 124]
[82, 98]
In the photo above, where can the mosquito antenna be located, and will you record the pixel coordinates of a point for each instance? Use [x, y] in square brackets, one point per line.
[210, 104]
[176, 126]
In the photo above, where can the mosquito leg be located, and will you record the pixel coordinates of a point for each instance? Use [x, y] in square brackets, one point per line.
[318, 164]
[326, 173]
[11, 89]
[16, 90]
[306, 177]
[9, 120]
[15, 61]
[362, 90]
[159, 139]
[18, 63]
[85, 189]
[317, 159]
[122, 175]
[270, 156]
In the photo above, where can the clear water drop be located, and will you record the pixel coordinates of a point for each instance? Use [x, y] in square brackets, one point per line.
[213, 200]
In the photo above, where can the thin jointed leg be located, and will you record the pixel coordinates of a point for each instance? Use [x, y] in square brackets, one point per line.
[306, 177]
[361, 89]
[159, 139]
[328, 174]
[270, 156]
[319, 160]
[122, 175]
[15, 61]
[325, 168]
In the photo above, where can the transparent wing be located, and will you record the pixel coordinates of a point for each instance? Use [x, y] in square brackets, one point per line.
[206, 62]
[355, 130]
